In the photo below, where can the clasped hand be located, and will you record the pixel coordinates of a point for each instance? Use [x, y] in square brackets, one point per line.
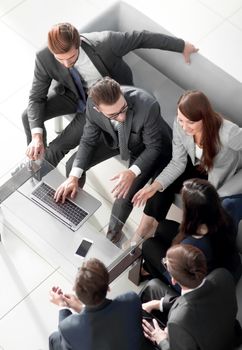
[125, 180]
[57, 297]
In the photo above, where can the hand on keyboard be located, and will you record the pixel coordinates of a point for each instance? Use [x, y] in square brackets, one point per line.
[68, 187]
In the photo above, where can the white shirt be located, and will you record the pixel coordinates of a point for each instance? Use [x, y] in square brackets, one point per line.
[88, 72]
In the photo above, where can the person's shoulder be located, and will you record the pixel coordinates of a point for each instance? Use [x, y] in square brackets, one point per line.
[129, 297]
[95, 37]
[220, 277]
[138, 94]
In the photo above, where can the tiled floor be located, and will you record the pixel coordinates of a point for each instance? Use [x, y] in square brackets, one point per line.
[26, 316]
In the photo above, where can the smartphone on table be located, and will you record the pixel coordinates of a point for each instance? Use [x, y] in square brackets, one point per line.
[84, 247]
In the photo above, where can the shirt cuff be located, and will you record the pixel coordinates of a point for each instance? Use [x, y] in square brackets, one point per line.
[64, 308]
[136, 170]
[77, 172]
[161, 304]
[36, 131]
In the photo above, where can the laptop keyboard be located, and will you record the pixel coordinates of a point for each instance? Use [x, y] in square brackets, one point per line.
[69, 210]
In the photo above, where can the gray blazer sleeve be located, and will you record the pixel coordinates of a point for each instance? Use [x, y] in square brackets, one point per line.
[38, 94]
[178, 162]
[123, 42]
[88, 143]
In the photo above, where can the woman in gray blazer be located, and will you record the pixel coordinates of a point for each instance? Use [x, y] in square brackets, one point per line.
[204, 145]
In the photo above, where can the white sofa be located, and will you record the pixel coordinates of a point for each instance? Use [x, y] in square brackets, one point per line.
[166, 75]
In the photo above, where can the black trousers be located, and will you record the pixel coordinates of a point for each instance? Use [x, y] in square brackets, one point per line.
[59, 104]
[155, 248]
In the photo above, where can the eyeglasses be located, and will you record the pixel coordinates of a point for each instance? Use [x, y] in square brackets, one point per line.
[164, 262]
[115, 115]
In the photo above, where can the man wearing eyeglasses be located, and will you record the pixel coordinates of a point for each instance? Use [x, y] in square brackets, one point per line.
[147, 144]
[204, 316]
[73, 62]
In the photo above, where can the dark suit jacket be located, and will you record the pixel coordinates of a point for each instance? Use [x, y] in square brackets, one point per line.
[148, 135]
[114, 325]
[106, 50]
[204, 319]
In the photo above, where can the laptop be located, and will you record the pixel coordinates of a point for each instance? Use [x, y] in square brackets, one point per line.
[74, 212]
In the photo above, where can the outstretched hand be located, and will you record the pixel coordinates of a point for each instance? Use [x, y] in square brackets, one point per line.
[125, 180]
[188, 50]
[57, 297]
[141, 197]
[155, 333]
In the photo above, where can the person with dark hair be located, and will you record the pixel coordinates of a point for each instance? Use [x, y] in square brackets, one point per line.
[73, 62]
[205, 145]
[205, 224]
[97, 322]
[204, 316]
[120, 120]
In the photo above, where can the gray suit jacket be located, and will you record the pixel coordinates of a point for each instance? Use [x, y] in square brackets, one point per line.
[227, 163]
[148, 135]
[105, 50]
[204, 319]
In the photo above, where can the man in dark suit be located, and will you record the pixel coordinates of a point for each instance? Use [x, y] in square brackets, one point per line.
[102, 323]
[90, 57]
[204, 316]
[146, 142]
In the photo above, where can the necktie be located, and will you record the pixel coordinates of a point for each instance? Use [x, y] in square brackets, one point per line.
[77, 80]
[123, 147]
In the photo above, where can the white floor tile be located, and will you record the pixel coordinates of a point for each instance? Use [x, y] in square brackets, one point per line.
[12, 145]
[34, 319]
[221, 46]
[18, 275]
[17, 62]
[223, 8]
[180, 17]
[13, 107]
[236, 19]
[8, 5]
[23, 18]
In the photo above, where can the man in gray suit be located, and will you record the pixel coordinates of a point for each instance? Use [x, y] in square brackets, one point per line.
[73, 63]
[204, 316]
[147, 144]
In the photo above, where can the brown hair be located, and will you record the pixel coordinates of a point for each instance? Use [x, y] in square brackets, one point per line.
[106, 91]
[91, 283]
[62, 38]
[195, 106]
[186, 264]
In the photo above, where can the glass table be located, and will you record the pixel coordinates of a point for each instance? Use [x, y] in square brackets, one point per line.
[47, 235]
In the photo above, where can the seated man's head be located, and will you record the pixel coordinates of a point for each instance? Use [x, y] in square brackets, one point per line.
[186, 264]
[108, 99]
[64, 43]
[91, 283]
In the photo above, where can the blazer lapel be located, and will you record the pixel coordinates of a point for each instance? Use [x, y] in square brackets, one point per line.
[128, 123]
[94, 57]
